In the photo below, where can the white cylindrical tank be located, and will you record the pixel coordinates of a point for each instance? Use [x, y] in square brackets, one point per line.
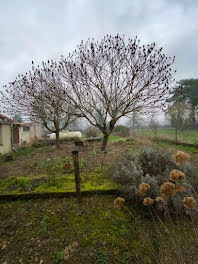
[67, 135]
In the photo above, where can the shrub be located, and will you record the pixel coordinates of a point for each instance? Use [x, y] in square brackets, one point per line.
[24, 151]
[153, 167]
[91, 132]
[122, 131]
[156, 163]
[128, 173]
[50, 142]
[39, 143]
[7, 157]
[191, 173]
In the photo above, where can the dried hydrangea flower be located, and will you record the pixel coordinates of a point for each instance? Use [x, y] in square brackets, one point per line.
[118, 202]
[75, 244]
[160, 200]
[143, 187]
[180, 188]
[176, 175]
[148, 201]
[189, 203]
[180, 157]
[167, 189]
[68, 251]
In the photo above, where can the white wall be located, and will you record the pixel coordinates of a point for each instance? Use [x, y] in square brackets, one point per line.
[6, 136]
[36, 130]
[24, 136]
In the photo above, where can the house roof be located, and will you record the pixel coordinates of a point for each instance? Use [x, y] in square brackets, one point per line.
[28, 123]
[7, 119]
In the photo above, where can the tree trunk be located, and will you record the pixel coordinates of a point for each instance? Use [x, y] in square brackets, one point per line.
[155, 132]
[176, 132]
[104, 142]
[133, 126]
[57, 139]
[193, 117]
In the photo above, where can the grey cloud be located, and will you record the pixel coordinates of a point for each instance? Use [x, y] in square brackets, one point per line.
[38, 30]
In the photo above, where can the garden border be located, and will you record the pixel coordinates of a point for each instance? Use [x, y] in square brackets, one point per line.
[173, 142]
[30, 196]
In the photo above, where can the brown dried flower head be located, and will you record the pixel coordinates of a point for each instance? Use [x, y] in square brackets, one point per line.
[189, 203]
[75, 244]
[176, 175]
[167, 189]
[68, 251]
[180, 157]
[180, 188]
[143, 187]
[148, 201]
[160, 200]
[118, 202]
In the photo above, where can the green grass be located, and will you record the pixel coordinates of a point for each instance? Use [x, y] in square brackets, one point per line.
[52, 178]
[191, 149]
[24, 151]
[105, 235]
[116, 138]
[20, 152]
[113, 137]
[190, 135]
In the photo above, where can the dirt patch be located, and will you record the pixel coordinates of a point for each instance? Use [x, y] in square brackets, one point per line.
[24, 165]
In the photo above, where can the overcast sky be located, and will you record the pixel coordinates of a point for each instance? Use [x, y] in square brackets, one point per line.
[43, 29]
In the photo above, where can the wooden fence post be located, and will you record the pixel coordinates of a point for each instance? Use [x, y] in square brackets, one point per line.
[77, 174]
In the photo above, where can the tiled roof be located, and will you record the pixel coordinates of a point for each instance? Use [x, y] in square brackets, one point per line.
[28, 123]
[7, 119]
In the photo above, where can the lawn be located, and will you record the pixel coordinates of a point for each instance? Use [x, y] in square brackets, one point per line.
[190, 135]
[47, 169]
[38, 231]
[116, 138]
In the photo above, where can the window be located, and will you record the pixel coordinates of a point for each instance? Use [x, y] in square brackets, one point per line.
[1, 135]
[26, 129]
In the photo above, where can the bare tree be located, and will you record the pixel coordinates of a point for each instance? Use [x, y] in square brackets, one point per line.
[153, 124]
[111, 78]
[180, 116]
[134, 123]
[38, 95]
[75, 125]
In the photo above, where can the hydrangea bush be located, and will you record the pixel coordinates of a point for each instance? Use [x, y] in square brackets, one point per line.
[157, 178]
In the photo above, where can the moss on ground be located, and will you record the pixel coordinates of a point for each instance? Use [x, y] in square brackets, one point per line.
[57, 175]
[39, 230]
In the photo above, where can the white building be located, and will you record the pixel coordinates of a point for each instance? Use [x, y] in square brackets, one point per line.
[30, 131]
[6, 138]
[14, 134]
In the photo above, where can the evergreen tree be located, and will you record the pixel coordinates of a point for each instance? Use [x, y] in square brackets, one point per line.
[187, 91]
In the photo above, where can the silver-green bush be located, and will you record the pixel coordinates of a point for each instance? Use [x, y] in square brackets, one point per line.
[152, 166]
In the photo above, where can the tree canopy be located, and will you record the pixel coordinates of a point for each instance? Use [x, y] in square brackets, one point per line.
[186, 91]
[113, 78]
[100, 80]
[38, 95]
